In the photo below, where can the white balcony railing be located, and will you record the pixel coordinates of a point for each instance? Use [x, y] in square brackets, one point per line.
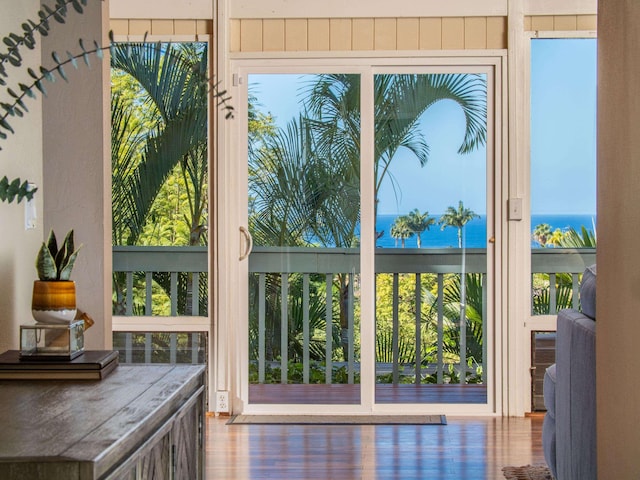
[298, 272]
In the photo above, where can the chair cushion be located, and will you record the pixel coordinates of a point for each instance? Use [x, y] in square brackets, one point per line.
[588, 292]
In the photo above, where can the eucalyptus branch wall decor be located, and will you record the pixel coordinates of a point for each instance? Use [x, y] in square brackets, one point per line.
[11, 58]
[15, 106]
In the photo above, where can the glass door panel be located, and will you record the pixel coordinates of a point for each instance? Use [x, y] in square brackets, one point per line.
[563, 162]
[431, 237]
[304, 218]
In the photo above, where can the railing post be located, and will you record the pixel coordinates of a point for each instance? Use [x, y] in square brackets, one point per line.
[418, 330]
[329, 328]
[147, 348]
[262, 305]
[440, 352]
[148, 288]
[305, 328]
[284, 329]
[484, 328]
[396, 332]
[350, 320]
[553, 308]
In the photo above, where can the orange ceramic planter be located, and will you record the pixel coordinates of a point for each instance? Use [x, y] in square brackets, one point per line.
[54, 302]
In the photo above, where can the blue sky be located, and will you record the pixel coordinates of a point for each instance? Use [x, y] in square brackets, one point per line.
[562, 138]
[563, 126]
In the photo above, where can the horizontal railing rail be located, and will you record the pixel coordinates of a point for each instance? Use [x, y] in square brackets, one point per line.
[144, 262]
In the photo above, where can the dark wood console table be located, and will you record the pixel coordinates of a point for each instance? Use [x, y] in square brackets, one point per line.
[140, 422]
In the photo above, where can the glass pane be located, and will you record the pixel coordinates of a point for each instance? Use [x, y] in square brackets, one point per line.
[563, 169]
[161, 347]
[431, 227]
[159, 194]
[304, 216]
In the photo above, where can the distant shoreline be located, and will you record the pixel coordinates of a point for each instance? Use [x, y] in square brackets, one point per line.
[475, 231]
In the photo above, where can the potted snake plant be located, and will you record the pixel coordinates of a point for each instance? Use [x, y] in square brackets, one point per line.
[54, 293]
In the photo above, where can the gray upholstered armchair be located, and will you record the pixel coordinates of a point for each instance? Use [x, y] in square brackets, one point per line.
[569, 430]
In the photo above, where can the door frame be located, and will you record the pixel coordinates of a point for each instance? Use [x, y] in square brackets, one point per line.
[231, 356]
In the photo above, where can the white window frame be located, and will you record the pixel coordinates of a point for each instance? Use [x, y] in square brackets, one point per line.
[232, 355]
[533, 323]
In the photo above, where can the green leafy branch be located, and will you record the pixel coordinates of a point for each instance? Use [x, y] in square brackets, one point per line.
[29, 29]
[14, 189]
[17, 107]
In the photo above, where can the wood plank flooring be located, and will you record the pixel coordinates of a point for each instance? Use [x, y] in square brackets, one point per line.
[468, 448]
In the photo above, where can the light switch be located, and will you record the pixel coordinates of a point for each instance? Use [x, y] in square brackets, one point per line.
[30, 214]
[515, 209]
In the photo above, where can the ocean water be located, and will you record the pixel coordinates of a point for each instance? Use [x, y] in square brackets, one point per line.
[475, 231]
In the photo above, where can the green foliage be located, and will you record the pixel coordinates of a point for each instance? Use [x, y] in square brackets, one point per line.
[548, 237]
[295, 373]
[9, 191]
[159, 156]
[53, 263]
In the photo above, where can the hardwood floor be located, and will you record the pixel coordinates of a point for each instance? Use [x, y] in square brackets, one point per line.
[468, 448]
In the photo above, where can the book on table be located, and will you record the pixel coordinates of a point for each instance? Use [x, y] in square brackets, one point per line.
[91, 365]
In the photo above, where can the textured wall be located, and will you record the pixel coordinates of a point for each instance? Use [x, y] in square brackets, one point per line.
[618, 304]
[77, 166]
[21, 156]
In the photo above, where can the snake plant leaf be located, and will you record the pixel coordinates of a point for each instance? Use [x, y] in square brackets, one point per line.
[69, 244]
[45, 264]
[52, 243]
[60, 257]
[65, 273]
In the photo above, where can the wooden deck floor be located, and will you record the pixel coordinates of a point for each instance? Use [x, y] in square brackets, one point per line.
[350, 394]
[465, 449]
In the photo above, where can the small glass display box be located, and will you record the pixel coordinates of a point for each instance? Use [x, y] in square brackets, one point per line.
[51, 341]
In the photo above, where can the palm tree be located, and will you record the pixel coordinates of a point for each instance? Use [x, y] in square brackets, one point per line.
[419, 222]
[542, 233]
[399, 102]
[585, 239]
[401, 229]
[330, 127]
[457, 218]
[174, 89]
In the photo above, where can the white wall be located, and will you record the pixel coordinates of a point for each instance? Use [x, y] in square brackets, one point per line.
[77, 169]
[21, 156]
[618, 307]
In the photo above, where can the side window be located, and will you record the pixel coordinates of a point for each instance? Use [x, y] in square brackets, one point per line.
[563, 169]
[160, 191]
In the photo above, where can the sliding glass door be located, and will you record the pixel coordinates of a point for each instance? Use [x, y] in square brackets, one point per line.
[304, 217]
[369, 206]
[431, 236]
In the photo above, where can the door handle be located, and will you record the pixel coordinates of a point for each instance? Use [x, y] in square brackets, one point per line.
[248, 243]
